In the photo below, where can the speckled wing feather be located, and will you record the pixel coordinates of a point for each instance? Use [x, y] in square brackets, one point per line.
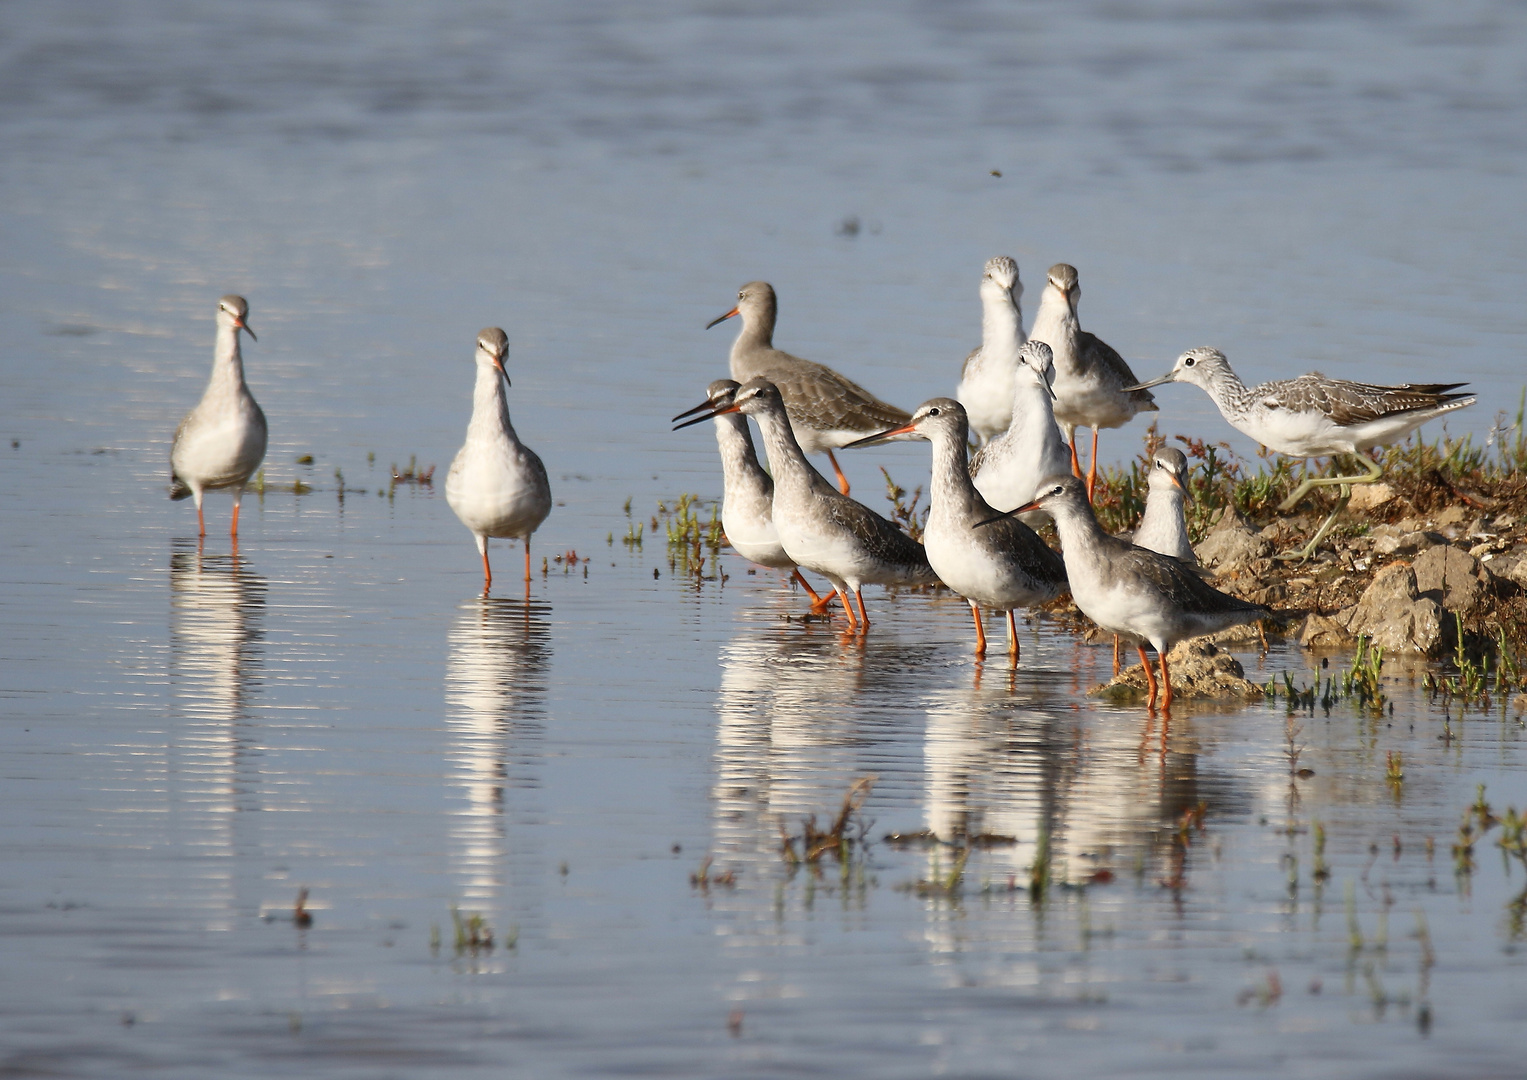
[883, 540]
[1035, 557]
[1106, 356]
[823, 400]
[1347, 402]
[1189, 592]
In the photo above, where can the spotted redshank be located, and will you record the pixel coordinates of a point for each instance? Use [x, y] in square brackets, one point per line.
[221, 442]
[844, 541]
[1163, 527]
[1007, 470]
[747, 500]
[1131, 591]
[986, 380]
[1316, 416]
[826, 410]
[999, 568]
[497, 485]
[1093, 384]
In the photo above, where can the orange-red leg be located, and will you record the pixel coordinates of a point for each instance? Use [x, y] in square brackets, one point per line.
[487, 571]
[1092, 468]
[1116, 656]
[980, 631]
[1076, 465]
[1012, 637]
[864, 618]
[818, 602]
[1150, 676]
[527, 560]
[848, 608]
[1166, 683]
[842, 480]
[233, 529]
[201, 524]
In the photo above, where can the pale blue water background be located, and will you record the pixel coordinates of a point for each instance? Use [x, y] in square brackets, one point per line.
[187, 741]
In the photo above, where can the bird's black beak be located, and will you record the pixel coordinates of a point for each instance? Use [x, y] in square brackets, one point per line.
[723, 318]
[883, 436]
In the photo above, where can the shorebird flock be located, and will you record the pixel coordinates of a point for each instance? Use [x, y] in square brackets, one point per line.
[1020, 399]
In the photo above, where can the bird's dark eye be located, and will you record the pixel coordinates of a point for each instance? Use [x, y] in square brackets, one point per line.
[932, 412]
[1189, 362]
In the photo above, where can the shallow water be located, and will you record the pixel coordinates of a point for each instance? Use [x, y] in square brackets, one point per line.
[189, 738]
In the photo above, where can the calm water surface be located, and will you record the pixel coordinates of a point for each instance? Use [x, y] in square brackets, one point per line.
[189, 737]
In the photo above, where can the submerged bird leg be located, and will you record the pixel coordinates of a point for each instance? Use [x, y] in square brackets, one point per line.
[1166, 702]
[1320, 533]
[1150, 676]
[527, 559]
[818, 602]
[233, 528]
[864, 619]
[1092, 467]
[201, 524]
[1116, 656]
[1012, 637]
[842, 480]
[1370, 477]
[980, 631]
[487, 571]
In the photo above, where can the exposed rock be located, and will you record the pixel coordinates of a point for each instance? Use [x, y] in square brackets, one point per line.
[1200, 671]
[1450, 576]
[1370, 496]
[1322, 632]
[1509, 567]
[1395, 616]
[1401, 540]
[1231, 544]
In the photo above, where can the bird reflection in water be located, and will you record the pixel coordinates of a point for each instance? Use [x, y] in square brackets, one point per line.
[1000, 770]
[217, 607]
[495, 693]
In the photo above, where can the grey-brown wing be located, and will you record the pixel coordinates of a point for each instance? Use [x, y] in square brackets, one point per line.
[1186, 589]
[820, 398]
[882, 540]
[1347, 402]
[1035, 557]
[1107, 357]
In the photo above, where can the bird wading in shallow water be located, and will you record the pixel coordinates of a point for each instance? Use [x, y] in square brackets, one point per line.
[986, 379]
[1316, 416]
[822, 530]
[221, 442]
[497, 485]
[1164, 526]
[997, 568]
[1093, 385]
[825, 409]
[747, 501]
[1141, 595]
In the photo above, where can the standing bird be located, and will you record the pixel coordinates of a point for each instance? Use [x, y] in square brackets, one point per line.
[826, 410]
[1316, 416]
[999, 568]
[1164, 525]
[844, 541]
[497, 485]
[1093, 385]
[1007, 470]
[986, 380]
[221, 442]
[747, 500]
[1131, 591]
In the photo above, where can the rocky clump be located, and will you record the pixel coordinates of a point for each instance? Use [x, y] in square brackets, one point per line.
[1200, 671]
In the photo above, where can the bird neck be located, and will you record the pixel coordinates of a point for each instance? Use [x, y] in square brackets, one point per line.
[490, 406]
[1082, 539]
[739, 459]
[950, 490]
[1033, 408]
[1163, 513]
[787, 463]
[227, 360]
[1228, 392]
[757, 330]
[1001, 325]
[1056, 325]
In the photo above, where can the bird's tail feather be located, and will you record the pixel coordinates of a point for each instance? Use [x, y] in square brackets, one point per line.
[178, 489]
